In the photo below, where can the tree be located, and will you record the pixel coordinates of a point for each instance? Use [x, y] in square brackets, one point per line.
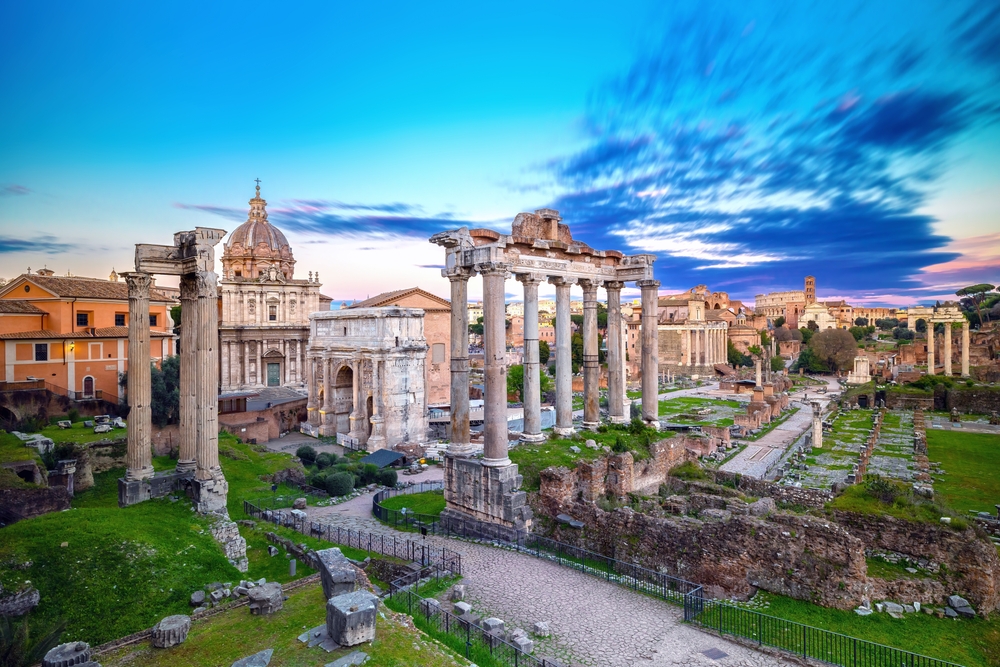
[735, 357]
[165, 391]
[921, 326]
[811, 325]
[861, 322]
[576, 347]
[515, 382]
[779, 322]
[835, 347]
[807, 334]
[978, 294]
[477, 328]
[306, 454]
[808, 361]
[858, 332]
[902, 333]
[784, 335]
[602, 316]
[777, 363]
[887, 324]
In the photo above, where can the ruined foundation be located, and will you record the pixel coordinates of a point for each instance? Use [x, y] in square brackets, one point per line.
[484, 499]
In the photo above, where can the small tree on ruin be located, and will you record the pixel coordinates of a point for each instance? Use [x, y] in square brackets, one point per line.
[835, 347]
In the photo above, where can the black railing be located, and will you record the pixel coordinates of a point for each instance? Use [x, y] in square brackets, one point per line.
[399, 518]
[395, 547]
[802, 640]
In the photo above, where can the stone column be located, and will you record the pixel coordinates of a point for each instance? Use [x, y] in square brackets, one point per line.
[947, 349]
[688, 342]
[564, 358]
[756, 367]
[327, 418]
[591, 358]
[139, 454]
[187, 459]
[356, 413]
[930, 348]
[459, 436]
[494, 358]
[207, 389]
[377, 439]
[965, 348]
[531, 399]
[616, 379]
[817, 425]
[312, 405]
[650, 365]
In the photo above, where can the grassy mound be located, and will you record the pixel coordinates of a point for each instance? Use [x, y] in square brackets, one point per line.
[971, 462]
[428, 502]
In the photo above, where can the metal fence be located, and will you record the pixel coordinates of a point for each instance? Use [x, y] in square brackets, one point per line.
[399, 518]
[395, 547]
[802, 640]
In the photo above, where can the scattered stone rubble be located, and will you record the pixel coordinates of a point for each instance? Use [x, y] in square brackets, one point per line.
[171, 631]
[957, 607]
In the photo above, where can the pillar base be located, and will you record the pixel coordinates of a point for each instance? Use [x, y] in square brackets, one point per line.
[465, 449]
[136, 474]
[591, 426]
[618, 419]
[329, 430]
[564, 431]
[652, 423]
[532, 437]
[485, 498]
[134, 491]
[210, 494]
[186, 467]
[497, 463]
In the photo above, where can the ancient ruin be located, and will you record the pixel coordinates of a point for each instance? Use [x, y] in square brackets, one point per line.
[365, 370]
[539, 248]
[947, 315]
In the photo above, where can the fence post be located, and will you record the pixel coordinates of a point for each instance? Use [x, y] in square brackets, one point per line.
[803, 641]
[760, 630]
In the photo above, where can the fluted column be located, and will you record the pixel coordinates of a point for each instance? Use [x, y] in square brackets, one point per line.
[531, 399]
[495, 353]
[187, 459]
[650, 366]
[965, 348]
[356, 413]
[616, 378]
[947, 349]
[377, 439]
[591, 358]
[328, 422]
[207, 387]
[139, 453]
[564, 358]
[459, 436]
[930, 348]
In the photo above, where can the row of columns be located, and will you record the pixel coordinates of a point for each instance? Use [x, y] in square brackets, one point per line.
[931, 339]
[494, 349]
[199, 376]
[705, 346]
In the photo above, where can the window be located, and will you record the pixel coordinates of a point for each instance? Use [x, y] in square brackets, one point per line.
[41, 351]
[272, 313]
[152, 320]
[437, 353]
[119, 319]
[239, 273]
[81, 319]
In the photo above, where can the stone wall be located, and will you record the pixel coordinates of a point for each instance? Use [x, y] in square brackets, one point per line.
[17, 504]
[900, 401]
[261, 426]
[791, 495]
[980, 400]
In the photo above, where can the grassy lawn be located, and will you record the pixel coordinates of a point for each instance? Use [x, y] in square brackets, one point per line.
[227, 637]
[974, 643]
[428, 502]
[906, 506]
[971, 462]
[81, 434]
[12, 450]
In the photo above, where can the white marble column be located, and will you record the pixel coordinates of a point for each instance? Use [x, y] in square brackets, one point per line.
[616, 378]
[531, 399]
[377, 439]
[591, 358]
[756, 366]
[495, 362]
[817, 425]
[688, 342]
[312, 404]
[328, 420]
[650, 365]
[187, 458]
[965, 348]
[564, 358]
[139, 453]
[207, 388]
[930, 348]
[459, 436]
[357, 414]
[947, 349]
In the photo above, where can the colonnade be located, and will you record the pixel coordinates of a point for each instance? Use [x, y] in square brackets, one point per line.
[495, 408]
[705, 345]
[931, 339]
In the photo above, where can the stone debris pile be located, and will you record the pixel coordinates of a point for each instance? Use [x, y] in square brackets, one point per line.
[957, 607]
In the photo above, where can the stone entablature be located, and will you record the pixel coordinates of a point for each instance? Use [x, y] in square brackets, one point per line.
[948, 315]
[366, 375]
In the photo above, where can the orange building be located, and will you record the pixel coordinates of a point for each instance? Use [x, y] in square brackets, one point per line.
[72, 333]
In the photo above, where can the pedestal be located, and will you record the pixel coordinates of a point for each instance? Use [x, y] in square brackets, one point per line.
[210, 494]
[484, 500]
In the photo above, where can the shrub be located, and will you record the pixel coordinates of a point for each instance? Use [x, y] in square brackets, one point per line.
[881, 489]
[339, 484]
[306, 454]
[73, 415]
[324, 461]
[619, 446]
[386, 477]
[317, 479]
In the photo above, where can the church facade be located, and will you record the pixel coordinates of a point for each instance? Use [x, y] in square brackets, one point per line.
[264, 318]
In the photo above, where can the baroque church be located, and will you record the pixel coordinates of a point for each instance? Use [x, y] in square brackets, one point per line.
[264, 326]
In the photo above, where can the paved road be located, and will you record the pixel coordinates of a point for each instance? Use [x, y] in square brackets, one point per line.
[594, 623]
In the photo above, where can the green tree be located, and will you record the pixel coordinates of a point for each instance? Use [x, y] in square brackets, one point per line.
[978, 294]
[835, 347]
[858, 332]
[576, 346]
[779, 322]
[902, 333]
[777, 363]
[921, 326]
[515, 382]
[543, 352]
[735, 357]
[811, 325]
[602, 316]
[808, 362]
[477, 327]
[861, 321]
[807, 334]
[165, 391]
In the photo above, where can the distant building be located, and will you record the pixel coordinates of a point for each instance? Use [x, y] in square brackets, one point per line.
[72, 333]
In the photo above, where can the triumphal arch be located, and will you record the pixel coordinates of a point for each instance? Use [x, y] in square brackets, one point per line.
[539, 248]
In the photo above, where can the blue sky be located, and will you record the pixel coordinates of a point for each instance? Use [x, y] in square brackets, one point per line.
[747, 144]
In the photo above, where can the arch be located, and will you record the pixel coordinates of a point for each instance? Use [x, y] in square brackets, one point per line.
[343, 397]
[718, 306]
[88, 386]
[8, 419]
[369, 406]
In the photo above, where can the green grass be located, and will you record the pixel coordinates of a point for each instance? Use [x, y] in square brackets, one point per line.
[971, 462]
[81, 434]
[771, 426]
[12, 450]
[970, 642]
[889, 571]
[428, 502]
[907, 506]
[235, 634]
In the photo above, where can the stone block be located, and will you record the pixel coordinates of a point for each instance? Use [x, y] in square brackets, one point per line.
[463, 607]
[950, 613]
[350, 660]
[262, 659]
[523, 644]
[541, 629]
[337, 574]
[66, 655]
[266, 598]
[458, 593]
[966, 612]
[350, 618]
[863, 611]
[171, 631]
[20, 603]
[217, 596]
[272, 550]
[430, 607]
[492, 624]
[299, 504]
[762, 507]
[956, 601]
[197, 598]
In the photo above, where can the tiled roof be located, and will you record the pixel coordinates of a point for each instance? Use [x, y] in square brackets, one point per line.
[12, 307]
[104, 332]
[388, 298]
[86, 288]
[25, 335]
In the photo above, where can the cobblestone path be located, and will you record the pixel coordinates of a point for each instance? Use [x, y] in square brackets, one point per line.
[594, 623]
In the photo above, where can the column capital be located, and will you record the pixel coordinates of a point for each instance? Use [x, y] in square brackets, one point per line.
[458, 273]
[138, 283]
[493, 269]
[559, 281]
[188, 287]
[613, 285]
[529, 279]
[589, 285]
[207, 284]
[647, 283]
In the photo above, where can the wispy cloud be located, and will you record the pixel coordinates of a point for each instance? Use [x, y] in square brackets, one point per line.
[13, 189]
[45, 244]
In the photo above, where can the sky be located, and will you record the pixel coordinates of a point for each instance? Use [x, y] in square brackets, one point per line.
[746, 144]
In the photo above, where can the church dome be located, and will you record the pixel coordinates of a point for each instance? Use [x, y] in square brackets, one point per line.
[257, 245]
